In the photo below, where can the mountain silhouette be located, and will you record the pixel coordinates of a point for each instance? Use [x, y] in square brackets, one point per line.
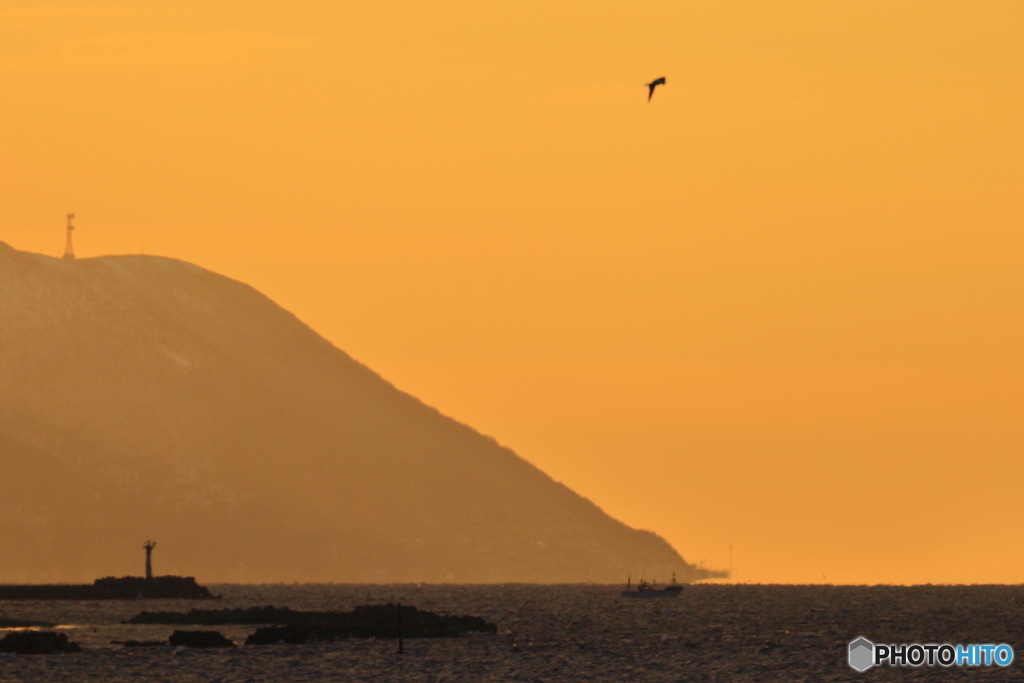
[146, 397]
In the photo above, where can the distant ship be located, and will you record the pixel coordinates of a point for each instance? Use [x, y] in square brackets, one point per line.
[649, 590]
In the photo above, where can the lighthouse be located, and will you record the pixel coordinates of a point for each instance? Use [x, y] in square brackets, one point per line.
[149, 550]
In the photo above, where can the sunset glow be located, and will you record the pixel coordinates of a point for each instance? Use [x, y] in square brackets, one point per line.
[777, 308]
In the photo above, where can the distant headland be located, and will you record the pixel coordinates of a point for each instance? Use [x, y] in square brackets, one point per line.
[141, 394]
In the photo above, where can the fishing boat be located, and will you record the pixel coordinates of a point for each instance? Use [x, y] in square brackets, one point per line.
[650, 590]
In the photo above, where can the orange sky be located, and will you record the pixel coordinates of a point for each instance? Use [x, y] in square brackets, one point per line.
[778, 307]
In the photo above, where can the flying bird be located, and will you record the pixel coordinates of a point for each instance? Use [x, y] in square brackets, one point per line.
[654, 84]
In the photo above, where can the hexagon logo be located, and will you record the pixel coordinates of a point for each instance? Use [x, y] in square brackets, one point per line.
[862, 654]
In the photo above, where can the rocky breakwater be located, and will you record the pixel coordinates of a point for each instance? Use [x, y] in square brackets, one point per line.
[112, 588]
[284, 625]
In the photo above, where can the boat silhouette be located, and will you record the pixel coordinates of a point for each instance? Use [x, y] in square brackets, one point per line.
[650, 590]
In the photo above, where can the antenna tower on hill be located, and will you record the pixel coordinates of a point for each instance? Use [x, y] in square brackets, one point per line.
[69, 249]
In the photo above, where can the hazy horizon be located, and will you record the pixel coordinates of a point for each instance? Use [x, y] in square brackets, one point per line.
[776, 308]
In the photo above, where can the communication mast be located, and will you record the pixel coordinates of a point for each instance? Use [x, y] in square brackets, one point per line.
[69, 249]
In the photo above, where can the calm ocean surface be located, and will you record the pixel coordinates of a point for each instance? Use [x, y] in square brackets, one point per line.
[553, 633]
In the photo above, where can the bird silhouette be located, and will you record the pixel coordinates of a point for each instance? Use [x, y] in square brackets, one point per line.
[654, 84]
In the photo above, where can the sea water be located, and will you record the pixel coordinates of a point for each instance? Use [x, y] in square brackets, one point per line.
[549, 633]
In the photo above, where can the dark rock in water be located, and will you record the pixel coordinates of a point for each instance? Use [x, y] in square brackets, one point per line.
[292, 626]
[199, 639]
[37, 643]
[221, 617]
[369, 621]
[22, 623]
[112, 588]
[296, 634]
[382, 621]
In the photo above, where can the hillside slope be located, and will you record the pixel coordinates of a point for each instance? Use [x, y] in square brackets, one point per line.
[146, 397]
